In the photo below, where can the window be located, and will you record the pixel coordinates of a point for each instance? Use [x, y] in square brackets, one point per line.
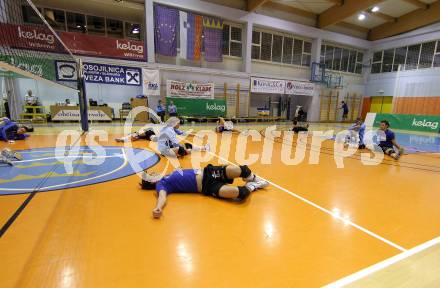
[437, 55]
[344, 60]
[256, 44]
[76, 22]
[133, 31]
[115, 28]
[329, 56]
[399, 58]
[266, 45]
[426, 55]
[96, 25]
[307, 54]
[287, 50]
[352, 61]
[30, 16]
[56, 18]
[297, 51]
[412, 57]
[277, 48]
[322, 57]
[232, 44]
[387, 62]
[337, 55]
[377, 62]
[359, 63]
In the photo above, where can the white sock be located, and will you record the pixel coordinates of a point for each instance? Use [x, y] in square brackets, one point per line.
[250, 178]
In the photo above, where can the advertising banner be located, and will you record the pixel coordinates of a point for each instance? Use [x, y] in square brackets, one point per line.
[74, 115]
[423, 123]
[99, 73]
[199, 107]
[45, 68]
[190, 90]
[41, 39]
[150, 82]
[265, 85]
[299, 88]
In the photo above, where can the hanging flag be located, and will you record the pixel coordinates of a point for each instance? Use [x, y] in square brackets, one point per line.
[195, 31]
[191, 27]
[184, 26]
[166, 21]
[213, 39]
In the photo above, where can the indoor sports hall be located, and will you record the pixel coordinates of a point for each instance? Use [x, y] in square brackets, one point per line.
[219, 143]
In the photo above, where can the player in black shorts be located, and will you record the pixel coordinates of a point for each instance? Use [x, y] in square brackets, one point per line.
[214, 181]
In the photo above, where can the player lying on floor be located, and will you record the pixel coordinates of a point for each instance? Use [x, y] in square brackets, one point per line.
[213, 181]
[297, 127]
[356, 134]
[143, 134]
[10, 130]
[169, 145]
[224, 126]
[388, 141]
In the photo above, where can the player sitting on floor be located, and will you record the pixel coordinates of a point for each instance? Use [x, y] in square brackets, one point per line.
[144, 133]
[213, 181]
[297, 127]
[10, 131]
[224, 126]
[356, 134]
[388, 141]
[168, 144]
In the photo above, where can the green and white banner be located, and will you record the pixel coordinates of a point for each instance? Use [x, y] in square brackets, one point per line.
[44, 68]
[199, 107]
[410, 122]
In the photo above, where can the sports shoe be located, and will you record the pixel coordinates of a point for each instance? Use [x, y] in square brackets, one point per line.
[5, 160]
[252, 186]
[11, 155]
[253, 178]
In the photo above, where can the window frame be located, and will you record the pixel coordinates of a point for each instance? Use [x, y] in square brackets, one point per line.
[235, 25]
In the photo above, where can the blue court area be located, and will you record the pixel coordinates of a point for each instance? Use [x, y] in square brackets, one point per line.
[418, 143]
[47, 169]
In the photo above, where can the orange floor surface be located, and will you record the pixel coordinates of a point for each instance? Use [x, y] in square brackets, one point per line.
[314, 225]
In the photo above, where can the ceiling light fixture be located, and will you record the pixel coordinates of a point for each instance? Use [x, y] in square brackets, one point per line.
[361, 17]
[375, 9]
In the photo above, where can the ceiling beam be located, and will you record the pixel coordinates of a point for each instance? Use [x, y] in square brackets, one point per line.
[337, 14]
[382, 16]
[290, 9]
[253, 5]
[408, 22]
[418, 3]
[353, 27]
[337, 2]
[310, 15]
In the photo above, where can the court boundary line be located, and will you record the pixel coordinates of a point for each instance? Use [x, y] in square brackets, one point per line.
[383, 264]
[337, 216]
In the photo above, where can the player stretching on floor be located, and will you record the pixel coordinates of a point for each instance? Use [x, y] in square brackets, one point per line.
[213, 181]
[357, 132]
[224, 126]
[388, 141]
[169, 145]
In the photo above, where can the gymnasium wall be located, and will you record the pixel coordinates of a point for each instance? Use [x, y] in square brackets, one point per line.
[415, 92]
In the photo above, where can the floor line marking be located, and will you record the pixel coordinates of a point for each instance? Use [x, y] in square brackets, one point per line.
[345, 221]
[383, 264]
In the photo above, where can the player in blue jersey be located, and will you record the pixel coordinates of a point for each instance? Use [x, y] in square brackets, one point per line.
[212, 181]
[356, 134]
[387, 141]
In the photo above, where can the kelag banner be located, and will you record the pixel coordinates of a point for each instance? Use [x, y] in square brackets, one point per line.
[45, 68]
[423, 123]
[99, 73]
[199, 107]
[190, 90]
[42, 39]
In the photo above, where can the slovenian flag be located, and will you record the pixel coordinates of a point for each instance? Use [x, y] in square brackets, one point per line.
[191, 27]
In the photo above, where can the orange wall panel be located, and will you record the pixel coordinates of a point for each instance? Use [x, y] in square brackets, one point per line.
[417, 105]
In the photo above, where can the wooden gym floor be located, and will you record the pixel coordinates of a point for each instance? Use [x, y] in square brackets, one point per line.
[313, 226]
